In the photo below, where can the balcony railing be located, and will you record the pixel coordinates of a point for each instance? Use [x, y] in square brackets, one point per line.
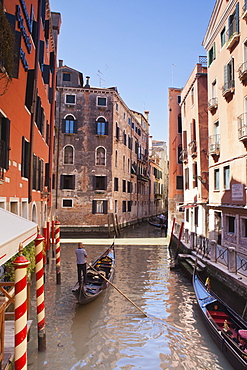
[242, 127]
[184, 156]
[212, 104]
[232, 34]
[192, 148]
[228, 88]
[242, 71]
[214, 144]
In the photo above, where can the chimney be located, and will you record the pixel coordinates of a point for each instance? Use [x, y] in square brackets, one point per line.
[60, 63]
[146, 114]
[87, 82]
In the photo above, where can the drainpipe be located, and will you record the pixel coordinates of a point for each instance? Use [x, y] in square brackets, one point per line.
[34, 101]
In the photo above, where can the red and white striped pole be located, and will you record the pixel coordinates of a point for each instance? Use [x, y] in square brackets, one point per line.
[20, 265]
[48, 241]
[40, 301]
[53, 235]
[57, 239]
[45, 242]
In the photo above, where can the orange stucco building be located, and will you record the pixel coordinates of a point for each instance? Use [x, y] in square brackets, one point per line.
[27, 106]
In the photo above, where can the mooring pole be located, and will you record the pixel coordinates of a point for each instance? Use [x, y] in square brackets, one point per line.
[40, 301]
[20, 265]
[53, 235]
[57, 239]
[48, 241]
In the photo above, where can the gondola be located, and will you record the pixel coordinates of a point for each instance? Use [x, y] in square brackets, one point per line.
[161, 226]
[102, 267]
[227, 328]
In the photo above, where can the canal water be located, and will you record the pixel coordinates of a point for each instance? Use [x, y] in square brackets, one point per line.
[110, 333]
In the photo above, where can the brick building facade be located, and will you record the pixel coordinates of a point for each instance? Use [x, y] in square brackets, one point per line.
[101, 156]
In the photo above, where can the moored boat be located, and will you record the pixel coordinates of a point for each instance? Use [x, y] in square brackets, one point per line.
[227, 328]
[101, 270]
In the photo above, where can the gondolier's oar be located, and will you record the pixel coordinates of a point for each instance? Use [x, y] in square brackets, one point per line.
[119, 291]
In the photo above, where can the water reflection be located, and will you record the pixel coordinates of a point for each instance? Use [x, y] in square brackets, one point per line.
[110, 333]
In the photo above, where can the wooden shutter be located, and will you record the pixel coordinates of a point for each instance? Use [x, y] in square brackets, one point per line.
[47, 174]
[105, 207]
[75, 126]
[46, 73]
[15, 72]
[6, 139]
[105, 182]
[73, 182]
[63, 125]
[29, 89]
[237, 17]
[43, 8]
[34, 33]
[47, 28]
[41, 52]
[106, 128]
[94, 182]
[62, 182]
[94, 207]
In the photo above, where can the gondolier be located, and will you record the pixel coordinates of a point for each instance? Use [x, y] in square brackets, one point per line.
[81, 261]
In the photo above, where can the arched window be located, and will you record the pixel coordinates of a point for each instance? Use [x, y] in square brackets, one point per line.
[100, 156]
[68, 155]
[101, 126]
[69, 125]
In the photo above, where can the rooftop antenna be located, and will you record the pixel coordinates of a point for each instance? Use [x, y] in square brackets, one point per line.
[99, 74]
[173, 65]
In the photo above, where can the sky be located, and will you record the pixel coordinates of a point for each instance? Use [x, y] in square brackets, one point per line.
[142, 47]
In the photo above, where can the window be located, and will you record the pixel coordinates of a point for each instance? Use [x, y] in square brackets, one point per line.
[101, 101]
[211, 55]
[129, 185]
[196, 216]
[192, 96]
[101, 126]
[129, 205]
[69, 125]
[116, 207]
[179, 182]
[25, 158]
[187, 215]
[179, 124]
[214, 89]
[115, 184]
[223, 37]
[124, 163]
[194, 174]
[124, 186]
[230, 220]
[227, 177]
[228, 76]
[38, 173]
[116, 158]
[117, 131]
[217, 179]
[67, 182]
[100, 156]
[99, 182]
[68, 155]
[233, 22]
[99, 207]
[187, 178]
[244, 227]
[179, 153]
[70, 99]
[66, 76]
[179, 99]
[124, 206]
[67, 203]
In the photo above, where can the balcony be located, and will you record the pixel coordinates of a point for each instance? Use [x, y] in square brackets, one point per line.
[184, 156]
[192, 148]
[228, 88]
[141, 177]
[233, 34]
[242, 127]
[212, 104]
[242, 72]
[214, 145]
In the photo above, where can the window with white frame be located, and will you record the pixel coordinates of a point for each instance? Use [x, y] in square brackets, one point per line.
[230, 224]
[68, 155]
[69, 125]
[101, 126]
[99, 206]
[217, 179]
[100, 156]
[67, 203]
[227, 177]
[70, 99]
[101, 101]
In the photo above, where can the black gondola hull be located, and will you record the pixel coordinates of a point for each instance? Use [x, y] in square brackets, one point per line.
[206, 301]
[96, 284]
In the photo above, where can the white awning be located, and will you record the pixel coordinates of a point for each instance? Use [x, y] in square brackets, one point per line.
[14, 230]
